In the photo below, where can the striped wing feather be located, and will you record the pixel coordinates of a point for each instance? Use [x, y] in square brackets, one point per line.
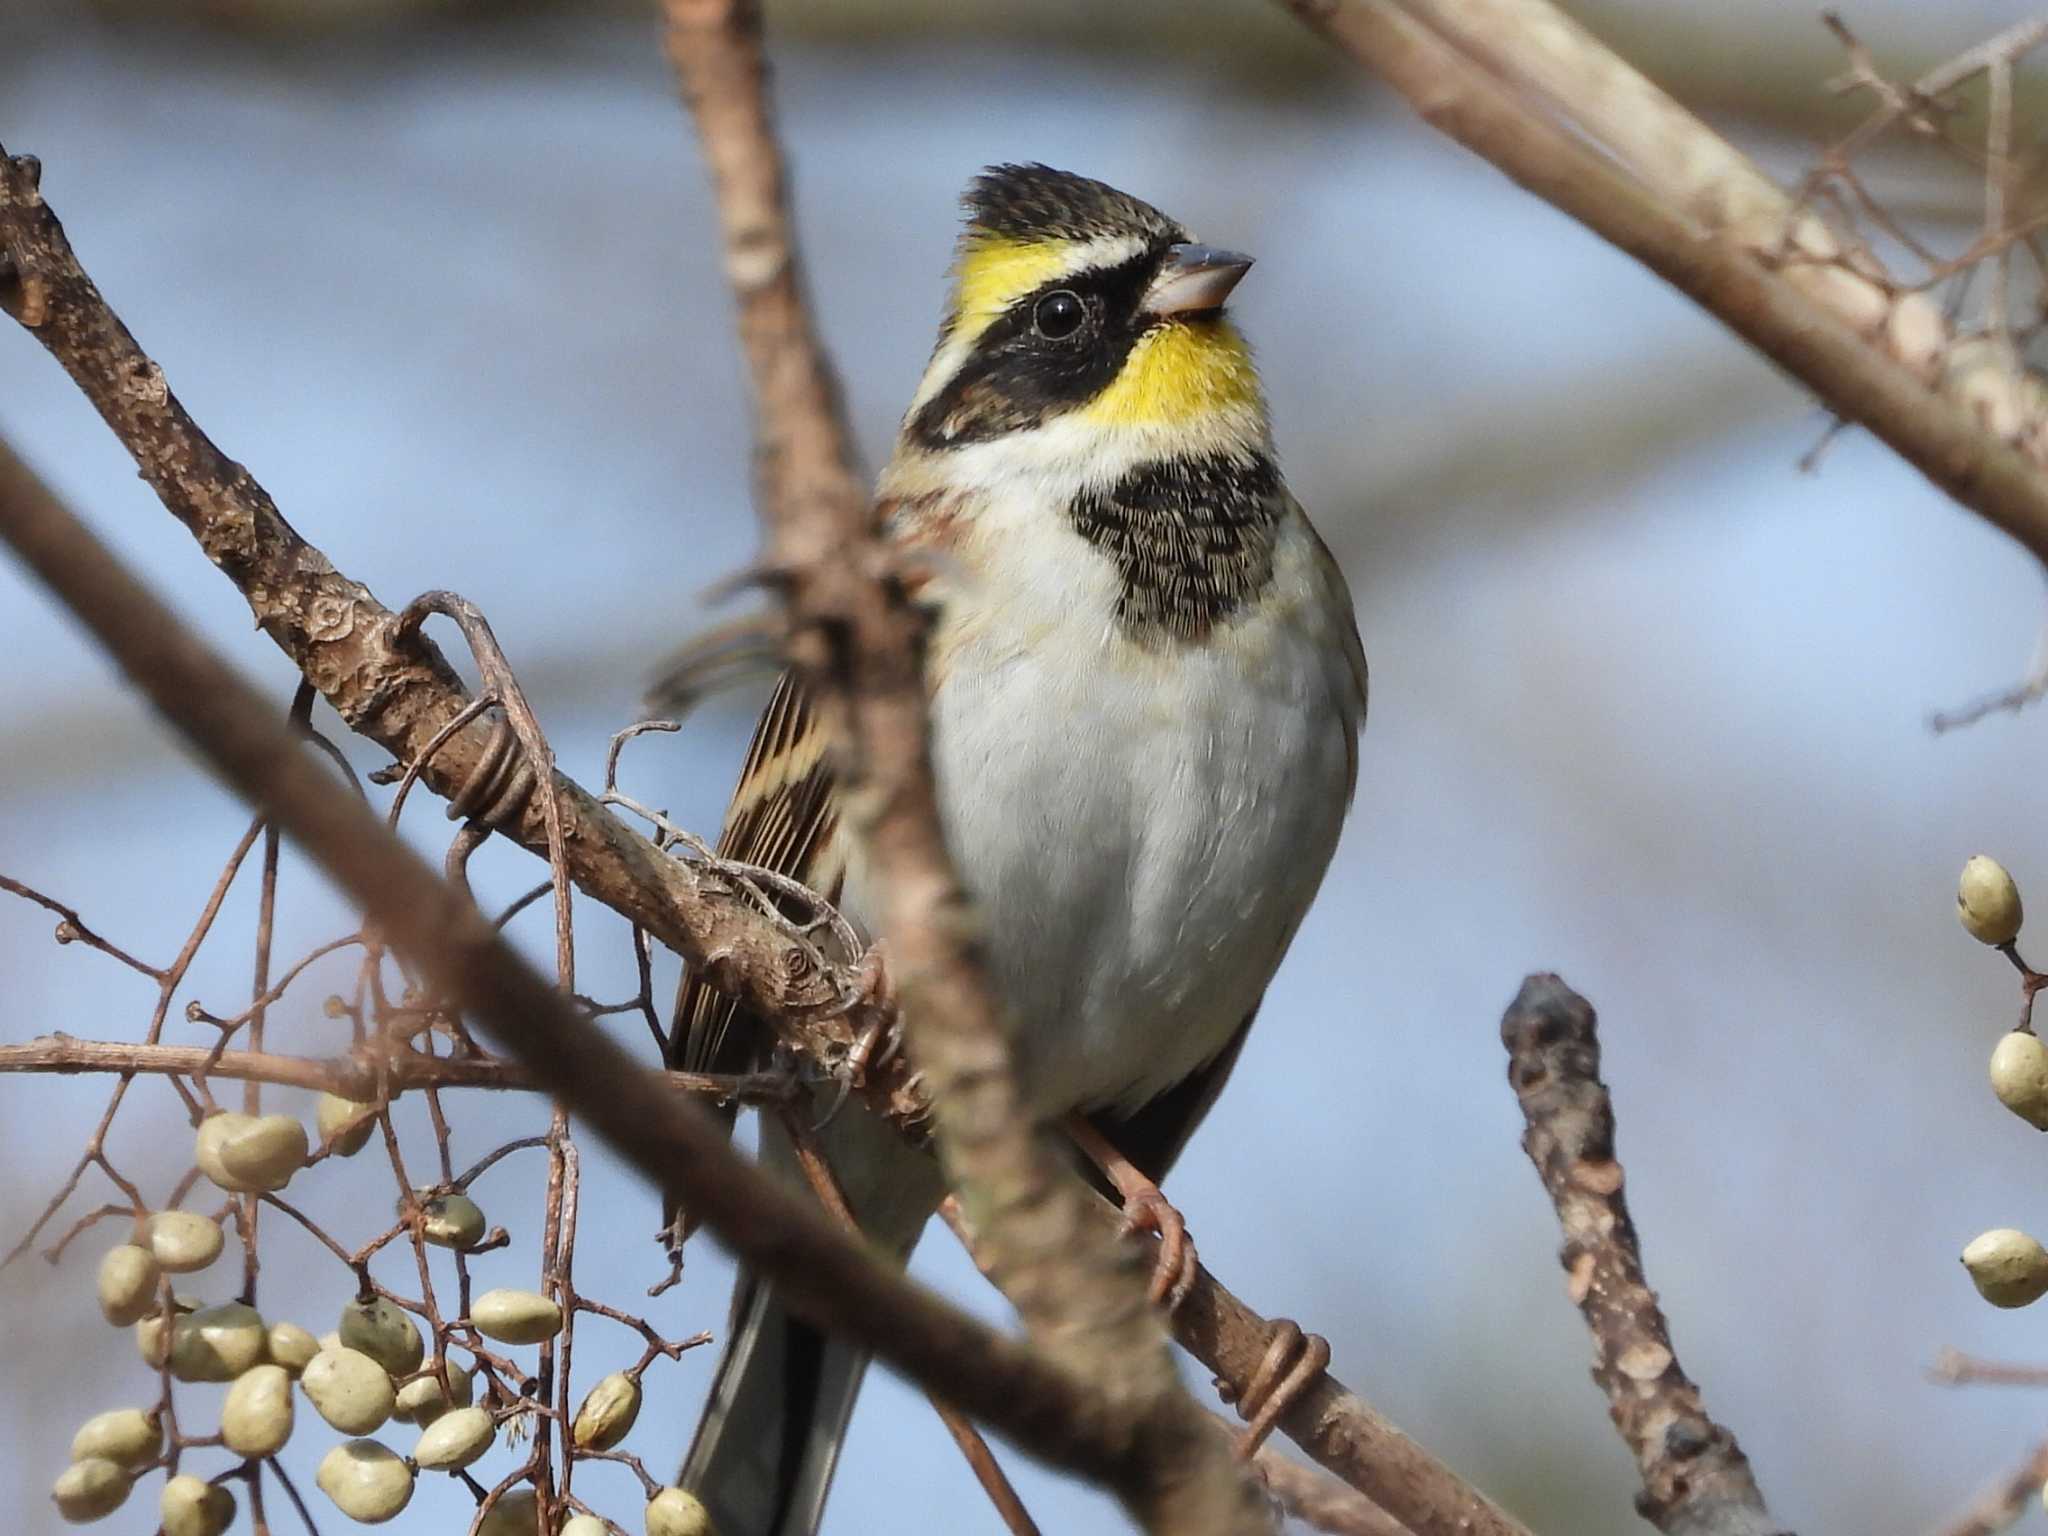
[784, 816]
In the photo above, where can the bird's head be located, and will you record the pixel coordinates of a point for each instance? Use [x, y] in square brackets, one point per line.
[1075, 302]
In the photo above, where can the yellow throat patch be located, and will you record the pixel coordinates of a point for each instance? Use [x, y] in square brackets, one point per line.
[1178, 372]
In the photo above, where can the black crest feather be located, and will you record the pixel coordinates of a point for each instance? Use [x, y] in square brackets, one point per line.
[1036, 202]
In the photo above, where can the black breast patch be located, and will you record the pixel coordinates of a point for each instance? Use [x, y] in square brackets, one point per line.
[1192, 540]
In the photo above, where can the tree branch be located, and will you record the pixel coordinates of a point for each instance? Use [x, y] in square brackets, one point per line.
[360, 1077]
[1319, 1500]
[358, 656]
[859, 642]
[1696, 1481]
[1341, 1431]
[2005, 1501]
[384, 679]
[830, 1280]
[1638, 170]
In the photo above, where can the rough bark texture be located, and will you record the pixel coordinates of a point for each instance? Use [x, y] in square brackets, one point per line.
[386, 681]
[860, 643]
[1696, 1481]
[1525, 88]
[395, 688]
[829, 1278]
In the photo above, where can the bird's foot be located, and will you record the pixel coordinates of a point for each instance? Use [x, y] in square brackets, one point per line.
[1146, 1209]
[874, 998]
[1174, 1271]
[1294, 1361]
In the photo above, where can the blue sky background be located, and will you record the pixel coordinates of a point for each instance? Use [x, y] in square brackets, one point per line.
[1648, 709]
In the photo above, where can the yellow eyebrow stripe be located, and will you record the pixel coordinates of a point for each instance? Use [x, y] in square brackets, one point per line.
[993, 274]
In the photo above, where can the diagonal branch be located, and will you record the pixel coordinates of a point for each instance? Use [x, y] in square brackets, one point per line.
[826, 1277]
[400, 694]
[1528, 89]
[859, 642]
[1342, 1432]
[387, 681]
[2003, 1503]
[1696, 1481]
[1319, 1500]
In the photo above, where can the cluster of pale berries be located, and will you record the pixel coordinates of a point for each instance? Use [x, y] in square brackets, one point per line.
[369, 1371]
[2009, 1267]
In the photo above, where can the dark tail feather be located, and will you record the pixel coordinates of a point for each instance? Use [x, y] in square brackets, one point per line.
[769, 1439]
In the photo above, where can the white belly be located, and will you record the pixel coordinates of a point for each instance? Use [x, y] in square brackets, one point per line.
[1142, 832]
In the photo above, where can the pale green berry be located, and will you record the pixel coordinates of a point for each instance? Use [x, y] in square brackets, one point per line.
[217, 1343]
[516, 1514]
[2019, 1076]
[153, 1332]
[516, 1317]
[452, 1221]
[128, 1437]
[421, 1400]
[337, 1120]
[2010, 1269]
[673, 1512]
[256, 1416]
[182, 1241]
[608, 1412]
[245, 1153]
[385, 1332]
[366, 1481]
[127, 1284]
[291, 1346]
[1987, 901]
[455, 1439]
[90, 1490]
[348, 1389]
[193, 1507]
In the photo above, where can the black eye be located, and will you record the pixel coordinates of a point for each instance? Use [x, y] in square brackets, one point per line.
[1059, 315]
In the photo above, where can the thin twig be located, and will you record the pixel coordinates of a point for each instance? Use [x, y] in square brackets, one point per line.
[2003, 1503]
[1317, 1499]
[995, 1483]
[401, 696]
[389, 685]
[348, 1077]
[1953, 1368]
[821, 1274]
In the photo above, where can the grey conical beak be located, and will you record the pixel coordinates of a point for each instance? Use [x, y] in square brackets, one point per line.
[1194, 278]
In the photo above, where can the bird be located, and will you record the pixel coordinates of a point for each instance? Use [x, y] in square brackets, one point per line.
[1147, 692]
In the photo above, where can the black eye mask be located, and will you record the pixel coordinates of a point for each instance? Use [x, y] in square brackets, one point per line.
[1028, 366]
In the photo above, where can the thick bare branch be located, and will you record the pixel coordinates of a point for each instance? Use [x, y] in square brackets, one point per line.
[385, 680]
[860, 643]
[1619, 156]
[361, 655]
[824, 1276]
[1696, 1481]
